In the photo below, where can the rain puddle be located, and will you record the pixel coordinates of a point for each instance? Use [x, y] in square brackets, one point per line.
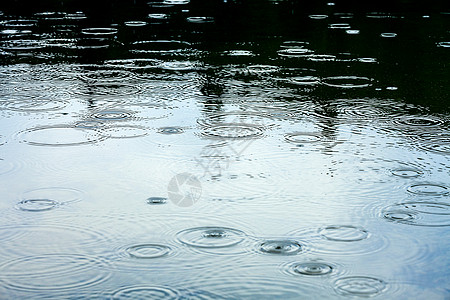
[187, 149]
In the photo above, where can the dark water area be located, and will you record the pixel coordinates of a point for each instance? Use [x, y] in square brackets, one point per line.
[225, 149]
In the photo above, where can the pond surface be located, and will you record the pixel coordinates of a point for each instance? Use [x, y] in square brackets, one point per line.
[224, 150]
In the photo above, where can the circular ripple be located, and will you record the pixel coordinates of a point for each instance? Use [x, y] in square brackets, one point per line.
[359, 286]
[302, 137]
[156, 200]
[280, 247]
[428, 189]
[111, 115]
[170, 130]
[178, 66]
[233, 131]
[444, 44]
[211, 237]
[343, 233]
[89, 124]
[99, 31]
[419, 121]
[109, 89]
[135, 23]
[318, 17]
[388, 35]
[294, 52]
[312, 268]
[407, 172]
[148, 251]
[36, 105]
[262, 69]
[37, 204]
[146, 292]
[59, 195]
[200, 20]
[62, 135]
[304, 80]
[339, 26]
[428, 214]
[54, 272]
[347, 81]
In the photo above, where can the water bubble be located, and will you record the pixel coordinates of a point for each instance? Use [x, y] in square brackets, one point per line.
[347, 82]
[170, 130]
[362, 286]
[156, 200]
[312, 268]
[60, 136]
[388, 35]
[280, 247]
[211, 237]
[343, 233]
[37, 204]
[428, 189]
[233, 131]
[302, 137]
[406, 172]
[148, 251]
[99, 31]
[52, 272]
[146, 292]
[428, 214]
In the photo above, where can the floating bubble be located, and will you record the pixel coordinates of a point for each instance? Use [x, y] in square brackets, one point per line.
[362, 286]
[233, 131]
[60, 136]
[406, 172]
[211, 237]
[426, 213]
[53, 272]
[156, 200]
[170, 130]
[388, 35]
[37, 204]
[146, 292]
[280, 247]
[428, 189]
[148, 251]
[347, 82]
[343, 233]
[312, 268]
[99, 31]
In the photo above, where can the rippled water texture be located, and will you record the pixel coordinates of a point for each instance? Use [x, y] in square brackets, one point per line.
[228, 149]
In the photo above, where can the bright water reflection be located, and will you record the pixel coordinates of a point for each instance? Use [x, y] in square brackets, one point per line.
[238, 150]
